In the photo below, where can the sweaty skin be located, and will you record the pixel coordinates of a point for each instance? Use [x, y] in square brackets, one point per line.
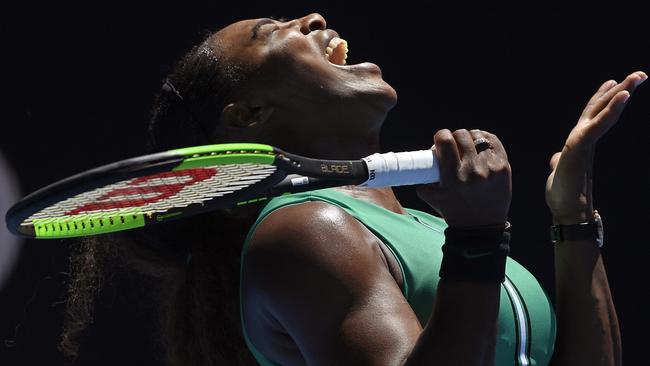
[298, 100]
[320, 288]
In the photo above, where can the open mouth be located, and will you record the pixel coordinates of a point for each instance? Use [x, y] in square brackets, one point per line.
[337, 51]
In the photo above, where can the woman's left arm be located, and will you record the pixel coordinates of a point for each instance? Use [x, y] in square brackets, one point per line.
[588, 331]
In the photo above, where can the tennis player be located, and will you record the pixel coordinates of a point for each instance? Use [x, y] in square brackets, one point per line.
[349, 276]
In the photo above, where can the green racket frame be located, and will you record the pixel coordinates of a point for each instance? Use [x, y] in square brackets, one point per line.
[288, 166]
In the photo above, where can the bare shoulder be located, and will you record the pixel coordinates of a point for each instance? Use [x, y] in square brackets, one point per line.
[312, 223]
[314, 276]
[309, 236]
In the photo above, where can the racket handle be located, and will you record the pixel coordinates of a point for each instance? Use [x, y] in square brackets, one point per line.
[402, 168]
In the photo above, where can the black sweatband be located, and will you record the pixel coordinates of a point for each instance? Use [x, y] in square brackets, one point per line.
[476, 254]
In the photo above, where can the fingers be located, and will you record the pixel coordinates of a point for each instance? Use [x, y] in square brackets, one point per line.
[447, 153]
[465, 143]
[475, 188]
[609, 90]
[454, 148]
[497, 146]
[451, 149]
[607, 117]
[606, 86]
[497, 151]
[554, 160]
[476, 134]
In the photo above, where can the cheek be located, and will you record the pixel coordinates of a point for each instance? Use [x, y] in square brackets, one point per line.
[306, 71]
[294, 48]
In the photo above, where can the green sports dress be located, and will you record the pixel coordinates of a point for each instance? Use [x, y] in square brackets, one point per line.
[526, 319]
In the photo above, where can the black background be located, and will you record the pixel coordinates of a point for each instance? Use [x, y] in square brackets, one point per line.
[78, 80]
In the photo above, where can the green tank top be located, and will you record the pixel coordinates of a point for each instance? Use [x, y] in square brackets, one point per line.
[526, 333]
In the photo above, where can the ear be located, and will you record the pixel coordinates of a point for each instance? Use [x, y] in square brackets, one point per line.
[238, 116]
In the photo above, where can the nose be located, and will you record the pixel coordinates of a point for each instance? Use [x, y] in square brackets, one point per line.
[311, 23]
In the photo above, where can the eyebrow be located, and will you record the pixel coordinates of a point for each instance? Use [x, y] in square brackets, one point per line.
[259, 24]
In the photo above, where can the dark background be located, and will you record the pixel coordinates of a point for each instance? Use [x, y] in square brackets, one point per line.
[78, 80]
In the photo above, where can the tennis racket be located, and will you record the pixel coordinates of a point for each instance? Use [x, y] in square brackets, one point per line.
[156, 188]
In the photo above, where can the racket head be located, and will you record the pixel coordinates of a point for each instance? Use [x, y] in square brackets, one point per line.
[146, 190]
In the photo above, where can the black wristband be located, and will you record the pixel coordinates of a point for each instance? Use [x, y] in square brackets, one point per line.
[475, 254]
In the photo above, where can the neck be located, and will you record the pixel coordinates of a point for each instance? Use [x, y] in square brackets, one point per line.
[327, 135]
[335, 147]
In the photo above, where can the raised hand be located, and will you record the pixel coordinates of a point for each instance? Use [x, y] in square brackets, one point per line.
[568, 188]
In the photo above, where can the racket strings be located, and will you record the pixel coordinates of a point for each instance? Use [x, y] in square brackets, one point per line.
[125, 201]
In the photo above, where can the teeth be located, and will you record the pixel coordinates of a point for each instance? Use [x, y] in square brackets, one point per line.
[337, 51]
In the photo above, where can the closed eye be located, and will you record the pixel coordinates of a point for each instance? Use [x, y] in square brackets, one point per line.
[265, 21]
[269, 28]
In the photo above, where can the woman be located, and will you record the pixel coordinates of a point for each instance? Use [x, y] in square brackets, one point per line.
[349, 276]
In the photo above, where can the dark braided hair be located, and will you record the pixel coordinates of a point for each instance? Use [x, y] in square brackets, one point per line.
[192, 265]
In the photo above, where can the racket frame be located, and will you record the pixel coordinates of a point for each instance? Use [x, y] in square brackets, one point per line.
[293, 174]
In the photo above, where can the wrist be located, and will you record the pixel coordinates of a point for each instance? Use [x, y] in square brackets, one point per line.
[578, 229]
[476, 254]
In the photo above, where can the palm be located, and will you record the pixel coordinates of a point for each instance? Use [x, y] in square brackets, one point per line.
[568, 188]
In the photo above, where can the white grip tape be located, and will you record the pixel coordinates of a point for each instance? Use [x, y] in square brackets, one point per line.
[299, 181]
[402, 168]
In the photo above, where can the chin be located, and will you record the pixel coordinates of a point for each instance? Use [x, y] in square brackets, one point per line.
[381, 95]
[369, 85]
[391, 95]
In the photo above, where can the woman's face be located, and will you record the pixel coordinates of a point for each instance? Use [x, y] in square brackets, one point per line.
[299, 65]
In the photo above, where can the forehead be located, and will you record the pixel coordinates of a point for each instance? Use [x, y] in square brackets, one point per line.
[240, 32]
[235, 38]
